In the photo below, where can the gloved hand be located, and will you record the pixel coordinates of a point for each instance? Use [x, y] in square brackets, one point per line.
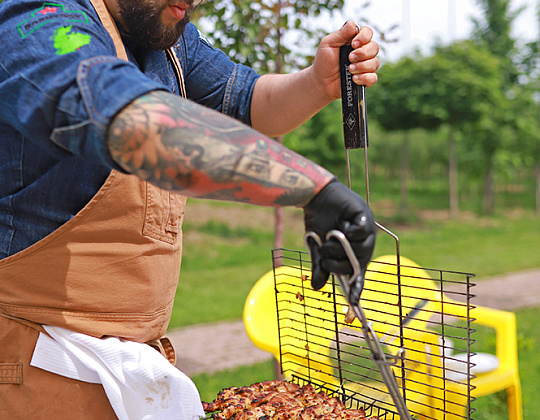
[337, 207]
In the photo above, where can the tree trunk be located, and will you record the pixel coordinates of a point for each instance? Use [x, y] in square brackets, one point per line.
[537, 175]
[453, 174]
[278, 227]
[537, 169]
[405, 173]
[489, 186]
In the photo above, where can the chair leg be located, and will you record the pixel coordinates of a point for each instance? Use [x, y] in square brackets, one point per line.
[277, 370]
[515, 407]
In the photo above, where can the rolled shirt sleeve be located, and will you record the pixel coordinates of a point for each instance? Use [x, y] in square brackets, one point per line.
[213, 80]
[60, 79]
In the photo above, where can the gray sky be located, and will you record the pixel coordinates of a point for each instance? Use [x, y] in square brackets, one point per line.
[431, 20]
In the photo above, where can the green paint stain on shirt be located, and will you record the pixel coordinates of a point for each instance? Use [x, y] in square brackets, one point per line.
[66, 42]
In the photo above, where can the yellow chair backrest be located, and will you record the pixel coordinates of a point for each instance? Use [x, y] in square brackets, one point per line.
[304, 340]
[387, 297]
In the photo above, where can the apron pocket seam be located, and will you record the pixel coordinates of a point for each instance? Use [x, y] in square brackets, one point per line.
[11, 373]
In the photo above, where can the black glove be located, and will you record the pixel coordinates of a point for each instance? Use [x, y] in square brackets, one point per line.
[337, 207]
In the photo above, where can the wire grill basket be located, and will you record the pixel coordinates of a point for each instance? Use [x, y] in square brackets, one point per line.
[422, 318]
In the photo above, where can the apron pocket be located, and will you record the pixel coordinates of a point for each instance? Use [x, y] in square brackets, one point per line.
[163, 214]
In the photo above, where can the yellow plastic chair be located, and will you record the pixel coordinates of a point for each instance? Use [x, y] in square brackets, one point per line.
[431, 392]
[416, 287]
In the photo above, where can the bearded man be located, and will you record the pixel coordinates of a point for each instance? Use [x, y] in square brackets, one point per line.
[112, 113]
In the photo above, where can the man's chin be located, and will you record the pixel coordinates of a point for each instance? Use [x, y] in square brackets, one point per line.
[144, 23]
[167, 39]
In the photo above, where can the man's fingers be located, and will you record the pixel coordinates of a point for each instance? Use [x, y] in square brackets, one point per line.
[332, 250]
[357, 287]
[339, 267]
[365, 79]
[342, 36]
[364, 60]
[364, 35]
[319, 276]
[334, 258]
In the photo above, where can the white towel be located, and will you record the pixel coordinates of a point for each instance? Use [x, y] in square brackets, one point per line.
[139, 382]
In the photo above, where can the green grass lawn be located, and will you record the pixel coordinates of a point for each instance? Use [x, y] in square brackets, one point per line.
[224, 257]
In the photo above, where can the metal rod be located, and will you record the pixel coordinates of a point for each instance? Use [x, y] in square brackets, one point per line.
[348, 169]
[336, 326]
[304, 303]
[379, 357]
[277, 314]
[377, 352]
[388, 376]
[443, 335]
[366, 170]
[469, 386]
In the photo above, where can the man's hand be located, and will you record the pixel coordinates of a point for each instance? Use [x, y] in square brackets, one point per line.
[337, 207]
[282, 102]
[364, 61]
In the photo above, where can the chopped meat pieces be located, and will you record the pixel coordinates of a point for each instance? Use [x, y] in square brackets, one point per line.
[279, 400]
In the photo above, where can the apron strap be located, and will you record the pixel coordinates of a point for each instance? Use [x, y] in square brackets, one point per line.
[178, 70]
[165, 347]
[108, 22]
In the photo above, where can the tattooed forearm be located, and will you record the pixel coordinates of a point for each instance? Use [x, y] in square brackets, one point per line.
[179, 145]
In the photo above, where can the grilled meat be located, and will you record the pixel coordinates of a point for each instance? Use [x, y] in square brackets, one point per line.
[279, 400]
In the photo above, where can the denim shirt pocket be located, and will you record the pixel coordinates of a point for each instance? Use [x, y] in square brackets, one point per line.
[163, 214]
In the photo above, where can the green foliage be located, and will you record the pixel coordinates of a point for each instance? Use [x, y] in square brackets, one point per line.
[459, 84]
[252, 32]
[468, 88]
[530, 58]
[463, 86]
[321, 139]
[399, 99]
[221, 265]
[223, 230]
[527, 101]
[494, 32]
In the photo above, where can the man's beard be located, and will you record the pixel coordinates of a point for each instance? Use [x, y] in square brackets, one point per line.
[144, 23]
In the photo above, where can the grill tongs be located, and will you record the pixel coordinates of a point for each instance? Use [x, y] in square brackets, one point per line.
[383, 361]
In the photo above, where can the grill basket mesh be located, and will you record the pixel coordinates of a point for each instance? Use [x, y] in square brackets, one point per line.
[421, 316]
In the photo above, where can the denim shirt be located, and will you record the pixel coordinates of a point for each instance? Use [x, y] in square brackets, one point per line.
[60, 85]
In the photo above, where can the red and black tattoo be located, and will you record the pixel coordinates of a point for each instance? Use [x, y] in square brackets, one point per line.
[179, 145]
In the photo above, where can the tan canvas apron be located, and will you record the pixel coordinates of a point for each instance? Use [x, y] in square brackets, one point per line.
[110, 271]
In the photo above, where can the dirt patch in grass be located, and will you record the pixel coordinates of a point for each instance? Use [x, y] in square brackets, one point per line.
[200, 212]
